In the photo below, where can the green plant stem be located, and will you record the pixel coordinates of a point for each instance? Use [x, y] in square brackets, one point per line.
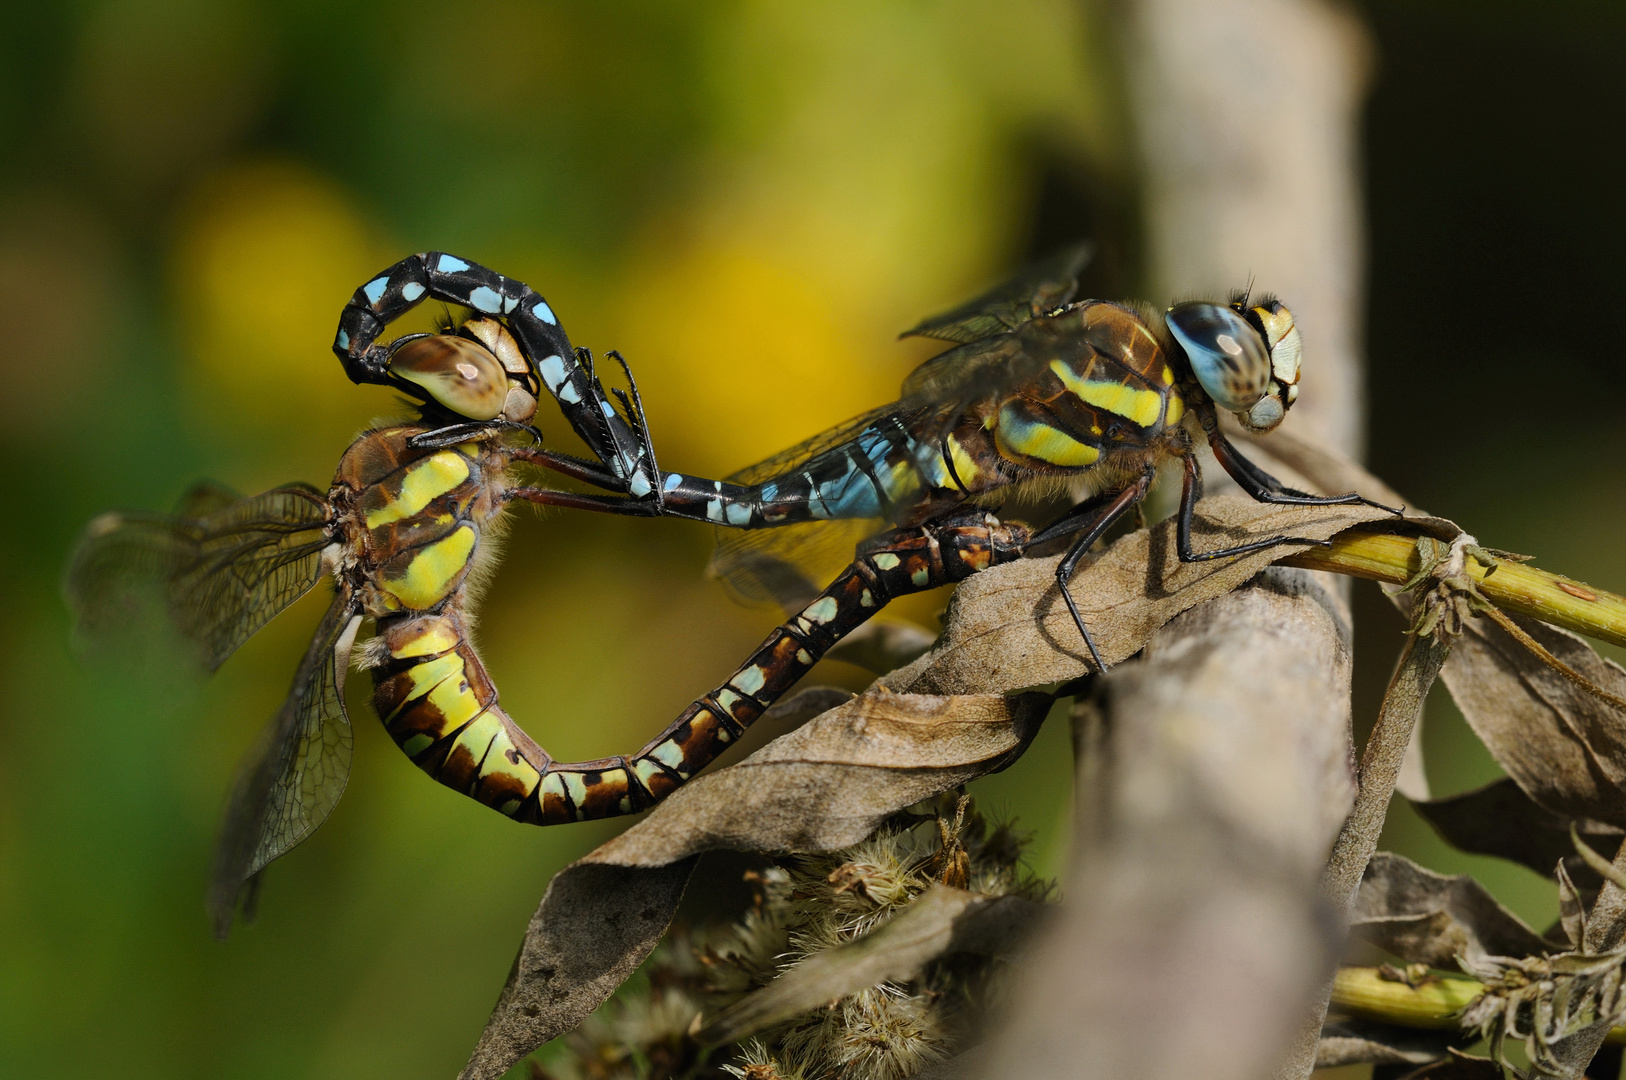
[1432, 1003]
[1515, 587]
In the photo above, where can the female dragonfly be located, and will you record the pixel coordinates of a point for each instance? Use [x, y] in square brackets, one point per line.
[401, 530]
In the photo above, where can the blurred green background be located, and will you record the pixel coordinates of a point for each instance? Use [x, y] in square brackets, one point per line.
[749, 199]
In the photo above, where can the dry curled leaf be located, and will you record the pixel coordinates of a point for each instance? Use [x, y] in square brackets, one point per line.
[824, 786]
[1562, 745]
[941, 922]
[1008, 628]
[1500, 819]
[1364, 1042]
[1428, 918]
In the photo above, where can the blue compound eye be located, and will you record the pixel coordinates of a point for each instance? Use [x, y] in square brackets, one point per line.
[1227, 355]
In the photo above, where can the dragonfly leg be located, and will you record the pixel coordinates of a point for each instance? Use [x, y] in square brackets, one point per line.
[1265, 488]
[590, 472]
[471, 431]
[1191, 489]
[438, 276]
[1093, 519]
[604, 504]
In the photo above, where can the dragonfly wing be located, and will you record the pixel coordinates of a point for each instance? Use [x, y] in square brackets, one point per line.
[1035, 290]
[294, 776]
[225, 565]
[789, 565]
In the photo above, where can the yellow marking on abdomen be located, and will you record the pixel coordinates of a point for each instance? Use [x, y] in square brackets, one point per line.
[430, 574]
[476, 739]
[1140, 407]
[426, 676]
[429, 638]
[1016, 437]
[423, 484]
[456, 702]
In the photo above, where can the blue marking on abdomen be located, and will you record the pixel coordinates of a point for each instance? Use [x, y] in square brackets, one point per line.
[850, 495]
[450, 264]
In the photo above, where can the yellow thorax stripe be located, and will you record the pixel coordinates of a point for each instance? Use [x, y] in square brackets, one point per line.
[423, 484]
[432, 570]
[1140, 407]
[965, 466]
[1019, 437]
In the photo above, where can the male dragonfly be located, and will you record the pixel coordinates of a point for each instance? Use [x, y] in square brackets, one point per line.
[401, 530]
[1041, 391]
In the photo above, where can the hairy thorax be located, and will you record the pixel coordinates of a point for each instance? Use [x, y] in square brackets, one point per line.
[411, 522]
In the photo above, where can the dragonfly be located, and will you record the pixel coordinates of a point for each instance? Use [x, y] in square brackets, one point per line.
[1040, 391]
[405, 522]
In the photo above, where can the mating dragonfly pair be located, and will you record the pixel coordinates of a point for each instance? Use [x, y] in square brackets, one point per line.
[1038, 389]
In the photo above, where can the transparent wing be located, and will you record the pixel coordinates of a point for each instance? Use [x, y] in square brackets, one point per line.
[980, 370]
[787, 566]
[791, 564]
[783, 566]
[293, 778]
[224, 566]
[1041, 287]
[798, 455]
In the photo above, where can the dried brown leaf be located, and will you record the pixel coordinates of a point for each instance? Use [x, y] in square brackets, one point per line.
[1562, 745]
[1428, 918]
[1008, 628]
[824, 786]
[1364, 1042]
[941, 922]
[1500, 819]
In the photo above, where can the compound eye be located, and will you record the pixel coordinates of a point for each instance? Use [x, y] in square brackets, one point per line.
[1227, 355]
[460, 374]
[1282, 339]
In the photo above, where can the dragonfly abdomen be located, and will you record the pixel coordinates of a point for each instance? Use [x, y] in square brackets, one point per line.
[440, 707]
[874, 474]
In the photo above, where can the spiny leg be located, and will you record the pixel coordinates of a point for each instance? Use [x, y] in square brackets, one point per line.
[1265, 488]
[589, 472]
[1094, 518]
[604, 504]
[1191, 489]
[473, 430]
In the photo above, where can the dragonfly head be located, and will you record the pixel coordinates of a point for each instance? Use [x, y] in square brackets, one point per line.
[476, 370]
[1245, 357]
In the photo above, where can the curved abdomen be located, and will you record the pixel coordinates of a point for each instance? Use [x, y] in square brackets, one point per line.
[441, 708]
